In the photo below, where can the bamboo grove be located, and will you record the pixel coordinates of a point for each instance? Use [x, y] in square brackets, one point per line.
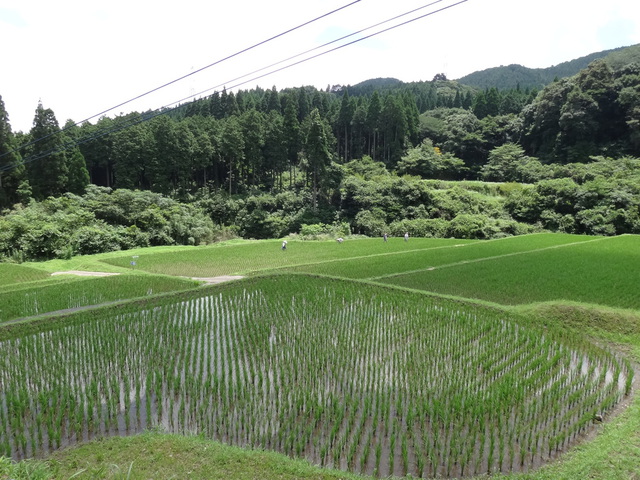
[362, 378]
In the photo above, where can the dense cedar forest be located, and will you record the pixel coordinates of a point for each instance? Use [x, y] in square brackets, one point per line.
[435, 158]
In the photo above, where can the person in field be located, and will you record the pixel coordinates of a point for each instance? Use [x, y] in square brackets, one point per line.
[284, 245]
[384, 237]
[406, 236]
[339, 239]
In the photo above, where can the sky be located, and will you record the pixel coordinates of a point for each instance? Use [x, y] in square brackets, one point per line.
[81, 58]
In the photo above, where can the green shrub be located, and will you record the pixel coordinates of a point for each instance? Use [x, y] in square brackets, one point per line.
[420, 227]
[472, 227]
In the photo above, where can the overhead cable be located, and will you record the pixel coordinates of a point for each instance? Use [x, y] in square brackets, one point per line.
[217, 62]
[165, 109]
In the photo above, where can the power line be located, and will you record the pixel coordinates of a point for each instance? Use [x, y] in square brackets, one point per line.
[314, 49]
[217, 62]
[321, 53]
[165, 109]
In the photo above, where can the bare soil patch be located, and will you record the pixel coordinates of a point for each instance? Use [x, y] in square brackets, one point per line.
[83, 273]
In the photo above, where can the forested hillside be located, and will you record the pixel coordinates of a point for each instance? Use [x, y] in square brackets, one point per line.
[512, 76]
[382, 156]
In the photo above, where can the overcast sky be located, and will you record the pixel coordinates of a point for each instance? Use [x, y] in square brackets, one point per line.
[82, 57]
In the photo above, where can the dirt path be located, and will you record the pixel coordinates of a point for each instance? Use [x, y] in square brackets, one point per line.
[82, 273]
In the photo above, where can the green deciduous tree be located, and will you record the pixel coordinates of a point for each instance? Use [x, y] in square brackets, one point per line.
[428, 161]
[509, 163]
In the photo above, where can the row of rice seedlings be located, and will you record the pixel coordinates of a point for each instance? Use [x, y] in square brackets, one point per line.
[80, 292]
[386, 385]
[607, 278]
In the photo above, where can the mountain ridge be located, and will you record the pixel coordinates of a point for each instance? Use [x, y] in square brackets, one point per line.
[513, 75]
[516, 75]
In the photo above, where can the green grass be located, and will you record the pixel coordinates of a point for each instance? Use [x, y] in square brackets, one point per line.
[161, 456]
[603, 272]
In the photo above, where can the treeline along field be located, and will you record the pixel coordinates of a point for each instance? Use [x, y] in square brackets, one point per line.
[361, 377]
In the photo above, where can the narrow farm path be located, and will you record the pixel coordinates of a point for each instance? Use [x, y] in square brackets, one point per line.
[59, 312]
[82, 273]
[483, 259]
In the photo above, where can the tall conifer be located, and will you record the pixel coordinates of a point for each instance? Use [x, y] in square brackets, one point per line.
[47, 162]
[12, 172]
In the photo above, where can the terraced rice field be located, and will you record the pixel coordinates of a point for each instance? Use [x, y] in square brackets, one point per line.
[266, 255]
[37, 298]
[360, 377]
[11, 274]
[604, 271]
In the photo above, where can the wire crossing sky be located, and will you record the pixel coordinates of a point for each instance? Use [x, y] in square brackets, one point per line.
[281, 34]
[82, 57]
[267, 71]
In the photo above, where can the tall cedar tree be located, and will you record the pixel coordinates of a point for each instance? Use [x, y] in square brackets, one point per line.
[291, 128]
[47, 166]
[12, 172]
[316, 151]
[343, 131]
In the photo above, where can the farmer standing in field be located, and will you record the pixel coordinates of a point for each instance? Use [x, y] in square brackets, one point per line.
[385, 237]
[284, 245]
[406, 236]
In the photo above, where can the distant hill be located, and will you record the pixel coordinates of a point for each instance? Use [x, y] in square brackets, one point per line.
[620, 57]
[512, 76]
[369, 86]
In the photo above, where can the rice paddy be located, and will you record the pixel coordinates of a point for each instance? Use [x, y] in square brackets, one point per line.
[391, 262]
[357, 377]
[11, 274]
[253, 257]
[31, 299]
[603, 272]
